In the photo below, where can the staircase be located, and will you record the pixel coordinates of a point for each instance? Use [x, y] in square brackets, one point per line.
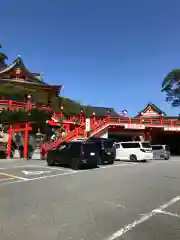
[100, 126]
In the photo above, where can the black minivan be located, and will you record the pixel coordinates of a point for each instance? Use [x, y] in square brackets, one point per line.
[107, 149]
[75, 154]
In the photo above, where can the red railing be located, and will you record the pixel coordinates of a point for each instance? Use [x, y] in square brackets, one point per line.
[72, 135]
[146, 121]
[16, 105]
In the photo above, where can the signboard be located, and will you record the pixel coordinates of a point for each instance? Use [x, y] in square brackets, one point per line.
[134, 126]
[88, 125]
[172, 129]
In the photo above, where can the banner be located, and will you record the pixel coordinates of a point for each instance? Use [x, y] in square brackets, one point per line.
[88, 125]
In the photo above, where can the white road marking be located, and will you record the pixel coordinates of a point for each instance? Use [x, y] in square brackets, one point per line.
[32, 173]
[142, 219]
[70, 173]
[5, 179]
[114, 204]
[168, 213]
[118, 165]
[55, 168]
[20, 166]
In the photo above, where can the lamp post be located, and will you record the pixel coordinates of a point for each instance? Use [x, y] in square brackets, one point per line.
[162, 118]
[28, 98]
[94, 117]
[81, 115]
[39, 138]
[62, 111]
[108, 115]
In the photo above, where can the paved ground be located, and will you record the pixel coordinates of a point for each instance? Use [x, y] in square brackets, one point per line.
[125, 201]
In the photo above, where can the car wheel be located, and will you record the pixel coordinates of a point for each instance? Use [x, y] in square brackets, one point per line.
[111, 162]
[133, 158]
[50, 162]
[101, 161]
[166, 158]
[74, 164]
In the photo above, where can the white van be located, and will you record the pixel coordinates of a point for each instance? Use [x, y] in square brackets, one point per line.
[133, 151]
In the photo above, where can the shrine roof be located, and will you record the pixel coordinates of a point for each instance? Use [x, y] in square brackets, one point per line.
[151, 110]
[102, 111]
[31, 78]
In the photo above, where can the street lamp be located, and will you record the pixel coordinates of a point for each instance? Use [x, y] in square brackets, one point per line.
[81, 118]
[62, 109]
[29, 97]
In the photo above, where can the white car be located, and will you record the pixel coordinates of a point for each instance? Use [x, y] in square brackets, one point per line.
[134, 151]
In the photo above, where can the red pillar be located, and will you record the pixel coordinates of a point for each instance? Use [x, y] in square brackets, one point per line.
[10, 104]
[67, 125]
[9, 142]
[26, 140]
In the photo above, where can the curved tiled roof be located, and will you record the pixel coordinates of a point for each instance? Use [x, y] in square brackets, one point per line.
[18, 61]
[8, 68]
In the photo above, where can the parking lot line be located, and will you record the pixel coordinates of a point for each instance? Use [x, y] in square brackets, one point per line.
[54, 168]
[68, 173]
[6, 179]
[21, 166]
[142, 219]
[12, 176]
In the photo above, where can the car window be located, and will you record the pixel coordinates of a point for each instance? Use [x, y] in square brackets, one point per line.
[117, 145]
[63, 146]
[130, 145]
[90, 147]
[107, 144]
[167, 148]
[146, 145]
[75, 148]
[157, 147]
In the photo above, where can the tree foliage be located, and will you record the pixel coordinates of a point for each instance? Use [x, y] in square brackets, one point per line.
[18, 93]
[171, 86]
[3, 57]
[34, 115]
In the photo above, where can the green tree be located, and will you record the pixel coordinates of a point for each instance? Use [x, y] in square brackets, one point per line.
[3, 57]
[171, 86]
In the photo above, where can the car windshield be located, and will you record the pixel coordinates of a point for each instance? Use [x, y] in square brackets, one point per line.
[157, 147]
[146, 145]
[107, 144]
[89, 147]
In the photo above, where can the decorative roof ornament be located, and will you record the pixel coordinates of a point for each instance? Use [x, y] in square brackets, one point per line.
[41, 76]
[124, 112]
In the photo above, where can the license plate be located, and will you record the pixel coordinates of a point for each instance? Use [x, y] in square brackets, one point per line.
[92, 154]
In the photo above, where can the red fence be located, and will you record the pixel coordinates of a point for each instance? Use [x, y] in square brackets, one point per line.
[15, 105]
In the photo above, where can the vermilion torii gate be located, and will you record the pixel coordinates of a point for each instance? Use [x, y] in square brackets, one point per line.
[19, 127]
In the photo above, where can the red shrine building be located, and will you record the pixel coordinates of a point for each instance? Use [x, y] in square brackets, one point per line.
[151, 123]
[16, 74]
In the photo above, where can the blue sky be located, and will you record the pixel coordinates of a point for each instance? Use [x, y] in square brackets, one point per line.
[106, 53]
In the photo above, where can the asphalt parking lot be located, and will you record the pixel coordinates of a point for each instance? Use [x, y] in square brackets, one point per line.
[121, 201]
